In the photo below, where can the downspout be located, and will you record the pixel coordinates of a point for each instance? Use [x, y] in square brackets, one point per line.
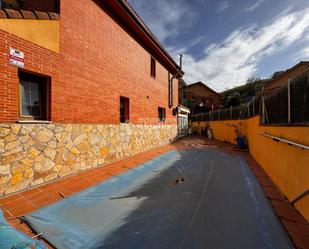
[172, 88]
[179, 72]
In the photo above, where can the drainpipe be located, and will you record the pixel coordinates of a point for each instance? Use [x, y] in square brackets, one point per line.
[180, 59]
[172, 87]
[179, 72]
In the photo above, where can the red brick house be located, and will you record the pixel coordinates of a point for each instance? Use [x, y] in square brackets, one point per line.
[199, 97]
[71, 73]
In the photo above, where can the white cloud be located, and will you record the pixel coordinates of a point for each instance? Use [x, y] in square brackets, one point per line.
[222, 6]
[254, 6]
[175, 51]
[231, 62]
[305, 53]
[167, 18]
[302, 55]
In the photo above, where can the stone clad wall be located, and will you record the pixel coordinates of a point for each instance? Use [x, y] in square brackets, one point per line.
[32, 154]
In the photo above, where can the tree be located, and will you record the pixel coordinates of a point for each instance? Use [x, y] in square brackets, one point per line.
[253, 80]
[276, 74]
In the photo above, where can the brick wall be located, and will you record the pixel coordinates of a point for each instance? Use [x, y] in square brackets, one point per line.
[98, 62]
[38, 59]
[193, 95]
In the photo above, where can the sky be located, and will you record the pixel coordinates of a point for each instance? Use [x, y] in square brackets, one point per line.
[225, 42]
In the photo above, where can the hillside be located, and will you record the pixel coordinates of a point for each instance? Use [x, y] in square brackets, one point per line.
[243, 93]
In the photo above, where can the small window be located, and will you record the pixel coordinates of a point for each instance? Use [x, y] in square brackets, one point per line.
[153, 67]
[161, 114]
[124, 109]
[34, 93]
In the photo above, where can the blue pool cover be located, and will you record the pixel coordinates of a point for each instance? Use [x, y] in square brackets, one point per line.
[218, 205]
[10, 238]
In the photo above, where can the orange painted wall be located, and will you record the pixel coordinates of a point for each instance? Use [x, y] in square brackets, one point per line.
[44, 33]
[288, 166]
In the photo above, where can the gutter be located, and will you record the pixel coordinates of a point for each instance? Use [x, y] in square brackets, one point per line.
[150, 35]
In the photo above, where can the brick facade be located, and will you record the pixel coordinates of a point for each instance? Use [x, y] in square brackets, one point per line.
[99, 61]
[38, 60]
[193, 95]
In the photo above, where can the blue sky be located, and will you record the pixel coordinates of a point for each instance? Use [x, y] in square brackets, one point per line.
[224, 42]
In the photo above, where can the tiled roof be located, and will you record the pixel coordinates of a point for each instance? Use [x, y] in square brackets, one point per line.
[203, 85]
[30, 15]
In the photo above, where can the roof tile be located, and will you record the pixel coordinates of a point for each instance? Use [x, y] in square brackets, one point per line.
[13, 14]
[2, 14]
[28, 14]
[54, 16]
[41, 15]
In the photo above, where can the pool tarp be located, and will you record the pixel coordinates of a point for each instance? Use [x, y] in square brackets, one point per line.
[219, 205]
[10, 238]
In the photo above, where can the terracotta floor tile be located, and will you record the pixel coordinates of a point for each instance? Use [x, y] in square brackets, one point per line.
[273, 194]
[116, 170]
[266, 182]
[49, 188]
[89, 174]
[26, 207]
[95, 181]
[7, 214]
[285, 211]
[300, 240]
[296, 227]
[33, 193]
[11, 199]
[15, 222]
[66, 192]
[42, 201]
[77, 188]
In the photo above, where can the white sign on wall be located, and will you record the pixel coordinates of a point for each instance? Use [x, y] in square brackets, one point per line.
[17, 58]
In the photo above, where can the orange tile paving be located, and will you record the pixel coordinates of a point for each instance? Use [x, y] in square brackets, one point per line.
[28, 201]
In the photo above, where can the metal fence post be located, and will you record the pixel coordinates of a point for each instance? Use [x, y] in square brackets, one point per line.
[219, 114]
[289, 100]
[231, 112]
[253, 106]
[263, 105]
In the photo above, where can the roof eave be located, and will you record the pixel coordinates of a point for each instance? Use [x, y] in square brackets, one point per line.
[122, 8]
[204, 85]
[285, 73]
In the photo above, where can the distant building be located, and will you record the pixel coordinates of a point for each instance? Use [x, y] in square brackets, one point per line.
[282, 78]
[198, 97]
